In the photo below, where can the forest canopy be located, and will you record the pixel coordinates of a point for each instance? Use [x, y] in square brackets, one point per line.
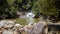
[49, 8]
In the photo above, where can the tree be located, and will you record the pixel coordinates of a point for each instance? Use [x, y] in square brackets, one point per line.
[7, 9]
[48, 8]
[3, 8]
[12, 12]
[24, 5]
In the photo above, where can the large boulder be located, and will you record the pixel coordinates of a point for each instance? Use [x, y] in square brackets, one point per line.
[18, 25]
[1, 24]
[38, 28]
[10, 27]
[6, 24]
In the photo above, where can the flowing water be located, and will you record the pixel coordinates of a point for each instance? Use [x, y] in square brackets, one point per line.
[29, 17]
[26, 19]
[29, 20]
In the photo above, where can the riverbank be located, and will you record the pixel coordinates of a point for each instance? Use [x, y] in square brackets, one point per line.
[11, 27]
[22, 20]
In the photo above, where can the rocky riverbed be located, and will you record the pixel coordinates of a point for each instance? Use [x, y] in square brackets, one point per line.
[11, 27]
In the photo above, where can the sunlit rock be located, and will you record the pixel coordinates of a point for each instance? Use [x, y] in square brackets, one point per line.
[8, 26]
[34, 24]
[15, 32]
[1, 24]
[18, 25]
[38, 28]
[30, 24]
[7, 22]
[28, 27]
[11, 22]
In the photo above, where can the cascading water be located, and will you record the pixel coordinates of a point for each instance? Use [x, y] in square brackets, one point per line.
[29, 17]
[29, 20]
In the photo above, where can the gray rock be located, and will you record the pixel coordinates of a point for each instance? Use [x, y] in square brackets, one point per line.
[9, 22]
[38, 28]
[1, 24]
[7, 32]
[6, 24]
[9, 27]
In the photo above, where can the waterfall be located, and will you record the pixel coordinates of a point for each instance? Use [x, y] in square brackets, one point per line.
[29, 17]
[29, 20]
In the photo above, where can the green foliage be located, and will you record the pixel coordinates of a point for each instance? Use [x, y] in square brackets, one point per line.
[7, 8]
[3, 7]
[36, 7]
[24, 5]
[46, 7]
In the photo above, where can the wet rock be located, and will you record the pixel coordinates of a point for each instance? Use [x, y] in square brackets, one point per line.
[38, 28]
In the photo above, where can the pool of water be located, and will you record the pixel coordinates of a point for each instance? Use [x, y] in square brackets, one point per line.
[23, 21]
